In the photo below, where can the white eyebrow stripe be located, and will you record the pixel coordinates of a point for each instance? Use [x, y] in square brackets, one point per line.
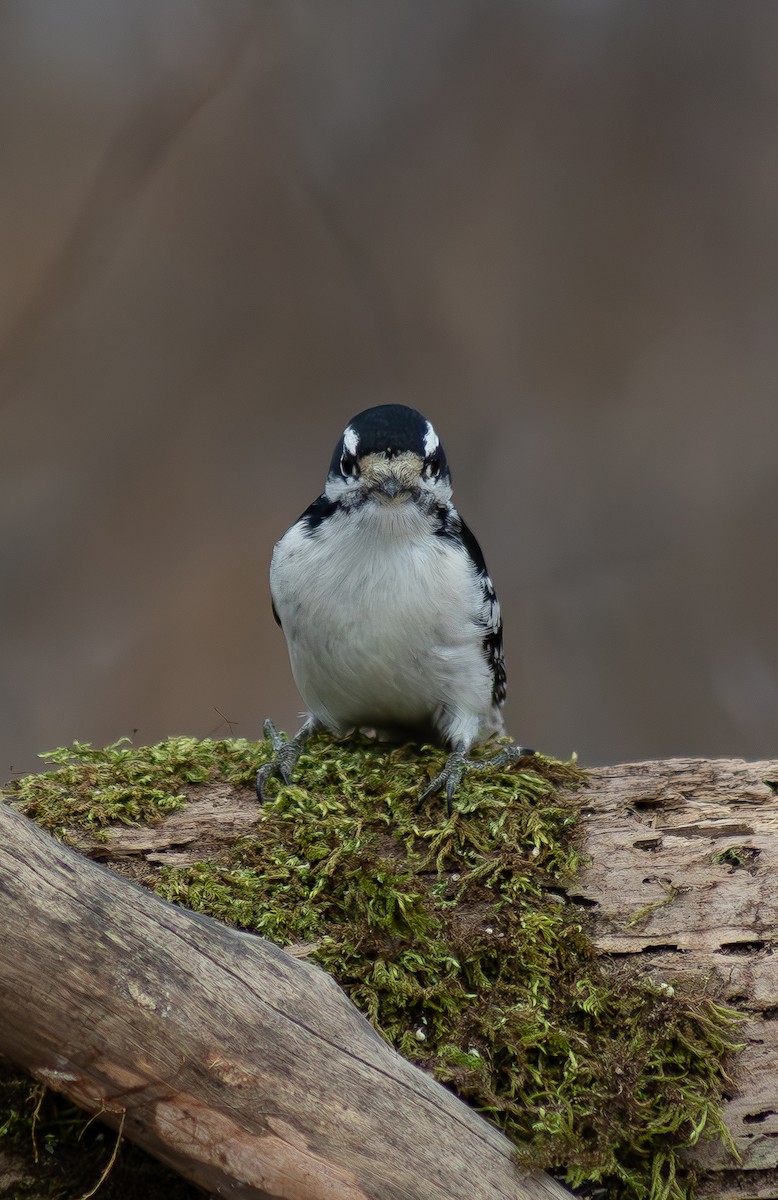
[431, 441]
[350, 440]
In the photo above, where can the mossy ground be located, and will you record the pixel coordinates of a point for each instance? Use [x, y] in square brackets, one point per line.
[448, 933]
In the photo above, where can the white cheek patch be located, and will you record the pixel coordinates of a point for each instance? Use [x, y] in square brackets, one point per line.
[431, 441]
[350, 440]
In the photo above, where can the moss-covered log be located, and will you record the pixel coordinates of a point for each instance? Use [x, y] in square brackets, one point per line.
[245, 1069]
[607, 1079]
[681, 877]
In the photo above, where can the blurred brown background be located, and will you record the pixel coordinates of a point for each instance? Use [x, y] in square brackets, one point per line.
[225, 227]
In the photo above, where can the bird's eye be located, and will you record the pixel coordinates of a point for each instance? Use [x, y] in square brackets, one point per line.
[348, 466]
[432, 467]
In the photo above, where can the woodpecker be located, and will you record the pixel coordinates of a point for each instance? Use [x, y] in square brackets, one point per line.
[390, 617]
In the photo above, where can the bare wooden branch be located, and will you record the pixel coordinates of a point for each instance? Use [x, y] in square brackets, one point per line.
[245, 1069]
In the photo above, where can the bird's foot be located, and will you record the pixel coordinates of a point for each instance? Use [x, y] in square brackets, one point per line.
[458, 764]
[285, 756]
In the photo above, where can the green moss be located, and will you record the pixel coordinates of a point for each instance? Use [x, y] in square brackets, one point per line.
[737, 856]
[671, 893]
[449, 933]
[92, 787]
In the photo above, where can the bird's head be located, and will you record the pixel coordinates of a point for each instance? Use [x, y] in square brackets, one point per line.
[389, 455]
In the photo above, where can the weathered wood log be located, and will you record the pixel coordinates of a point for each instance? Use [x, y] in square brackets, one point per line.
[682, 878]
[245, 1069]
[683, 875]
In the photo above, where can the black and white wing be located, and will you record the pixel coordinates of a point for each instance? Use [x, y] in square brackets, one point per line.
[490, 618]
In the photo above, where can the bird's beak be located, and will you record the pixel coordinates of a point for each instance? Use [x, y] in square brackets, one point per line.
[391, 487]
[393, 480]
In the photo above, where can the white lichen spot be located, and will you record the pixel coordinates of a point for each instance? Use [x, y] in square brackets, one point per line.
[53, 1078]
[230, 1072]
[143, 999]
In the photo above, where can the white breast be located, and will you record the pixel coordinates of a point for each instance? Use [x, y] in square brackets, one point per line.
[379, 615]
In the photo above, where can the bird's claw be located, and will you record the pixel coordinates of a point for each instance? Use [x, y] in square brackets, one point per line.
[458, 764]
[283, 762]
[450, 777]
